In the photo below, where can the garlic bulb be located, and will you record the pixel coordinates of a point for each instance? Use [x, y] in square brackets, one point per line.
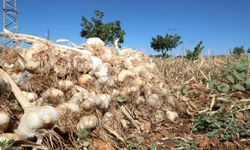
[95, 41]
[36, 48]
[171, 115]
[85, 93]
[30, 96]
[124, 74]
[88, 122]
[61, 71]
[77, 97]
[138, 81]
[115, 92]
[71, 106]
[87, 105]
[128, 64]
[101, 70]
[108, 119]
[104, 79]
[105, 100]
[132, 89]
[35, 117]
[85, 78]
[65, 84]
[95, 62]
[32, 65]
[52, 92]
[92, 101]
[140, 100]
[4, 121]
[107, 55]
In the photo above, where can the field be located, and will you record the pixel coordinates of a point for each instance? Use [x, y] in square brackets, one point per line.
[98, 97]
[209, 118]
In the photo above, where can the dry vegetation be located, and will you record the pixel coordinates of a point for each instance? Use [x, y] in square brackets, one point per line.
[210, 118]
[97, 97]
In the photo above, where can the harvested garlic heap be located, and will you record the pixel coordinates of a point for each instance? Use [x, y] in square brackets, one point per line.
[62, 86]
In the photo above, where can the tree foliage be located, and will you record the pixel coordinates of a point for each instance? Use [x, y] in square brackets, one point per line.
[193, 55]
[248, 50]
[238, 50]
[165, 43]
[108, 32]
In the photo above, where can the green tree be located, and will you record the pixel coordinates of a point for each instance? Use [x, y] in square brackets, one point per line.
[193, 55]
[238, 50]
[108, 32]
[248, 50]
[165, 43]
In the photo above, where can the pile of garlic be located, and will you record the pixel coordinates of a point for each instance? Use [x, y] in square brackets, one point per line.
[89, 76]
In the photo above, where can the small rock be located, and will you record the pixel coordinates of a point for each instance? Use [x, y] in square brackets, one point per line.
[124, 123]
[153, 100]
[159, 116]
[146, 126]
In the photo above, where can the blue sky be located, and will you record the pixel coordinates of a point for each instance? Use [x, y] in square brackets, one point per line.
[220, 24]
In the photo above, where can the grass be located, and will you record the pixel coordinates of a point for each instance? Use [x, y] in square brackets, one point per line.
[185, 144]
[8, 145]
[83, 134]
[223, 127]
[133, 145]
[180, 70]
